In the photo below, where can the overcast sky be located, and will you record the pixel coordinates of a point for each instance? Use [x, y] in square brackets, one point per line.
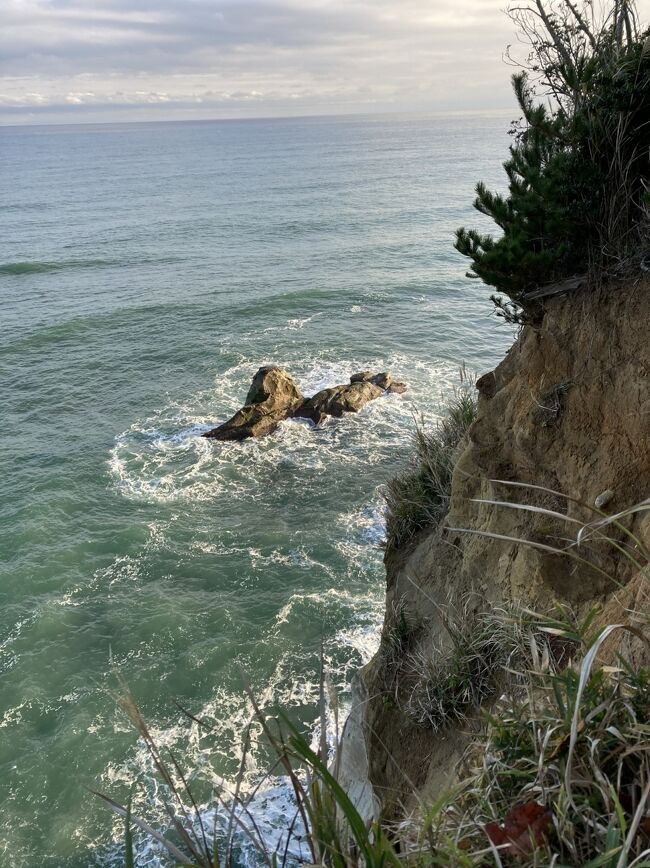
[78, 61]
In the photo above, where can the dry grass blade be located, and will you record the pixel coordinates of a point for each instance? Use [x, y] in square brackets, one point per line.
[561, 494]
[322, 706]
[634, 827]
[238, 783]
[199, 820]
[121, 811]
[626, 549]
[535, 545]
[184, 831]
[614, 519]
[525, 507]
[281, 752]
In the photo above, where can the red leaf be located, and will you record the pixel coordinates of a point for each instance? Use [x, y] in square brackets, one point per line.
[524, 829]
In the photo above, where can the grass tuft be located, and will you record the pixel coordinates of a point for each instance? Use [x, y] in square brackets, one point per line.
[572, 749]
[454, 678]
[419, 497]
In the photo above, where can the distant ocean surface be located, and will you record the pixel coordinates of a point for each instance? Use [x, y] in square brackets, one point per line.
[146, 272]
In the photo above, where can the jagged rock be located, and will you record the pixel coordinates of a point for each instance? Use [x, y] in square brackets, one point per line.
[274, 388]
[362, 377]
[338, 400]
[250, 421]
[384, 381]
[274, 396]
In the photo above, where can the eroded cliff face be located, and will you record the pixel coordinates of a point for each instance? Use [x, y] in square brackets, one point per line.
[567, 409]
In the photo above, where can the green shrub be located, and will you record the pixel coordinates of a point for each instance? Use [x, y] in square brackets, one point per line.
[452, 679]
[579, 164]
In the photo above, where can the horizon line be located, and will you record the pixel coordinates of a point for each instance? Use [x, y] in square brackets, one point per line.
[253, 118]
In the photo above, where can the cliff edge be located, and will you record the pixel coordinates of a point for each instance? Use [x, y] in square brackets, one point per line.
[568, 409]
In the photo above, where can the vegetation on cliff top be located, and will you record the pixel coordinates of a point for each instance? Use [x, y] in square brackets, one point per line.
[579, 162]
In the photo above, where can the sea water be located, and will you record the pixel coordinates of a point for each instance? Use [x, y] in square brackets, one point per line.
[146, 272]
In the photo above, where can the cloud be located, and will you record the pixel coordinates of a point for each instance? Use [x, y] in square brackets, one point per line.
[71, 57]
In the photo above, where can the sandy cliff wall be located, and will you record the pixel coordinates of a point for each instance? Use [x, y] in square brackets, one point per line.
[569, 409]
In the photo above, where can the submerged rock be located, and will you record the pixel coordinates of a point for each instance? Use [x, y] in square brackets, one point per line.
[274, 396]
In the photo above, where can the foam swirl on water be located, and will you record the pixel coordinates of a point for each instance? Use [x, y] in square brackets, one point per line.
[164, 459]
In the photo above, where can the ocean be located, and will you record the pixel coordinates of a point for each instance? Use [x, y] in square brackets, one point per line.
[146, 272]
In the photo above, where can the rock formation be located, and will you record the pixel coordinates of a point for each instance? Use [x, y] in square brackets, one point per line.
[274, 396]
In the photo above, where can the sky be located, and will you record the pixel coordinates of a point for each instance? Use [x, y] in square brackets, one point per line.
[76, 61]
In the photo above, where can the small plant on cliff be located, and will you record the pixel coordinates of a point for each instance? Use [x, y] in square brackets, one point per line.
[563, 777]
[580, 158]
[419, 497]
[453, 679]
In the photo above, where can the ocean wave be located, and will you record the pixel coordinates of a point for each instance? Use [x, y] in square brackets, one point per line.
[292, 325]
[292, 682]
[226, 717]
[163, 457]
[18, 268]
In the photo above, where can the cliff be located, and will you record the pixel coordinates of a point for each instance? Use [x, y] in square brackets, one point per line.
[568, 409]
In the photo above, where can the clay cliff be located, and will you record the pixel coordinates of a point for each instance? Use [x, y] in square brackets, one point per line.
[567, 409]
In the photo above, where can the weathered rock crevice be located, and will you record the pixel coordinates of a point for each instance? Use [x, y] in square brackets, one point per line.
[567, 409]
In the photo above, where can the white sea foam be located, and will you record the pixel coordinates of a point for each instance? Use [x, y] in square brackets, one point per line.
[272, 801]
[164, 458]
[229, 714]
[294, 324]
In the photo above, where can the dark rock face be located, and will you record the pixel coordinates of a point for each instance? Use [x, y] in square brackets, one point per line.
[274, 396]
[338, 400]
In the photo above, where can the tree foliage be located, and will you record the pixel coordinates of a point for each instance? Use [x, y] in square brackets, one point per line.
[580, 157]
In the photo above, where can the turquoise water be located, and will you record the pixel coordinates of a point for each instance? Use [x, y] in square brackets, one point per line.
[146, 272]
